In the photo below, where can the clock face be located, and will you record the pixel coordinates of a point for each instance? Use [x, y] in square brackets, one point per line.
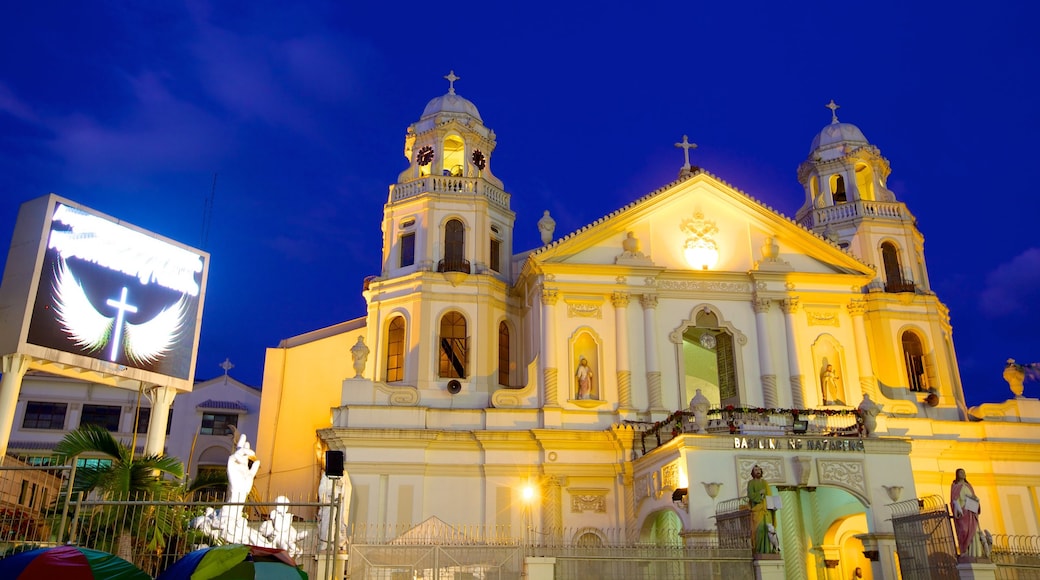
[424, 156]
[479, 160]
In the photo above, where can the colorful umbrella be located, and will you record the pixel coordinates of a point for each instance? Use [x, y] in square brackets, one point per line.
[234, 562]
[68, 563]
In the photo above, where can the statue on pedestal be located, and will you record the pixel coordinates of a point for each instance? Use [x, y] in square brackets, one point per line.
[359, 352]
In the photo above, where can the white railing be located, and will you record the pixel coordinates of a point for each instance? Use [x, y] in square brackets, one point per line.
[448, 184]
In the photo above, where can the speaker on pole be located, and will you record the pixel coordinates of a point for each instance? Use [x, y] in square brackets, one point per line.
[334, 463]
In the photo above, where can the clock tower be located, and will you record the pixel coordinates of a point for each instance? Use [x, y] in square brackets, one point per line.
[441, 297]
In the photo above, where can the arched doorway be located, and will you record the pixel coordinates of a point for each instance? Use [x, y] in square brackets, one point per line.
[818, 528]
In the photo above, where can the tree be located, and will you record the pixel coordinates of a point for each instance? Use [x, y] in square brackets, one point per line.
[120, 476]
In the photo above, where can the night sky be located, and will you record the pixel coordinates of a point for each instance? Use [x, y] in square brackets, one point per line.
[300, 111]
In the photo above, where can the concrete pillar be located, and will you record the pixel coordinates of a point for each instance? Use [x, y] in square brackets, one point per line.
[161, 398]
[867, 382]
[549, 370]
[14, 367]
[624, 375]
[765, 357]
[790, 307]
[653, 370]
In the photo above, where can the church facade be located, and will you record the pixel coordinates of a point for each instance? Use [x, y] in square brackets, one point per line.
[515, 390]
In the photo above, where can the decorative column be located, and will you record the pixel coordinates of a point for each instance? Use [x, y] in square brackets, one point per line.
[624, 375]
[14, 367]
[653, 372]
[549, 370]
[867, 382]
[552, 508]
[765, 357]
[790, 306]
[161, 398]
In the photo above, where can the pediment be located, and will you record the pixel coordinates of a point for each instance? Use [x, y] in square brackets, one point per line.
[701, 206]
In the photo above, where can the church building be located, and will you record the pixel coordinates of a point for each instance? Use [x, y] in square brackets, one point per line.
[480, 374]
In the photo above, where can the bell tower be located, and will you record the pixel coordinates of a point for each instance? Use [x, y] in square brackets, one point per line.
[848, 202]
[441, 299]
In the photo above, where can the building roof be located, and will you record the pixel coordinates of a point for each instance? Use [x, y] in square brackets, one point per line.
[231, 405]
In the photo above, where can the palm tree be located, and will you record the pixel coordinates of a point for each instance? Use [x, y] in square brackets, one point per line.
[121, 476]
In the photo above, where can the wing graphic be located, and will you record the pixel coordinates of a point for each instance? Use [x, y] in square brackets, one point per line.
[149, 341]
[87, 327]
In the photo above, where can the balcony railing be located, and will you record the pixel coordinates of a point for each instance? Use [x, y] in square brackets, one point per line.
[898, 286]
[754, 422]
[454, 266]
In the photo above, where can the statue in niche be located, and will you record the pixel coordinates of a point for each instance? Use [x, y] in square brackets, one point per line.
[584, 379]
[830, 382]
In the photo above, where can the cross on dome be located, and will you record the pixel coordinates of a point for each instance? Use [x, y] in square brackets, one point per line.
[834, 111]
[686, 146]
[451, 81]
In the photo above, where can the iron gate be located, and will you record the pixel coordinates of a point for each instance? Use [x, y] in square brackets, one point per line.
[924, 539]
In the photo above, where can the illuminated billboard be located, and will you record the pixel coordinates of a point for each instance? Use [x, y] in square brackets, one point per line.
[102, 295]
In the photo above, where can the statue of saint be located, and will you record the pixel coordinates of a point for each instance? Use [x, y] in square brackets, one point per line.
[831, 383]
[763, 530]
[966, 510]
[584, 377]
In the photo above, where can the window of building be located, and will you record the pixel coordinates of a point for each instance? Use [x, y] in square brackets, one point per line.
[496, 255]
[453, 346]
[23, 494]
[505, 362]
[407, 249]
[44, 415]
[454, 248]
[218, 423]
[144, 416]
[913, 356]
[838, 189]
[106, 416]
[93, 463]
[395, 350]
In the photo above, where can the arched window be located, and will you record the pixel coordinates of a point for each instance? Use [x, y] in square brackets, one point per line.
[505, 362]
[453, 346]
[894, 281]
[865, 182]
[454, 156]
[913, 356]
[395, 350]
[454, 248]
[711, 360]
[838, 189]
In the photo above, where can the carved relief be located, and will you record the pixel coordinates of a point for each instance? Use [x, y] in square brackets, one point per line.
[772, 470]
[641, 488]
[849, 474]
[620, 299]
[588, 500]
[583, 310]
[704, 286]
[822, 317]
[670, 476]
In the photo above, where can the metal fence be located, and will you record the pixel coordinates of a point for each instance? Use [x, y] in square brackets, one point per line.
[1016, 557]
[924, 539]
[733, 523]
[649, 563]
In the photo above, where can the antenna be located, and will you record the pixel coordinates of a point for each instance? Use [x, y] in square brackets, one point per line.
[207, 213]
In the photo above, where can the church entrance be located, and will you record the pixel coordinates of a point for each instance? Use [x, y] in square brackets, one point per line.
[818, 528]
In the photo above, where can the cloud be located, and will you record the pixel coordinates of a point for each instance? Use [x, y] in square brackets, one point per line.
[1012, 286]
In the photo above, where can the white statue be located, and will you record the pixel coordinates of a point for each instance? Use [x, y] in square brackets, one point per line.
[700, 404]
[242, 466]
[546, 226]
[359, 352]
[278, 529]
[326, 494]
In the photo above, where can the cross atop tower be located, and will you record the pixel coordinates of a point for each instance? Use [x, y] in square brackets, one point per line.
[686, 146]
[834, 111]
[451, 81]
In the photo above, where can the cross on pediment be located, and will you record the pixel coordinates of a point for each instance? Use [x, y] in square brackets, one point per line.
[686, 146]
[226, 365]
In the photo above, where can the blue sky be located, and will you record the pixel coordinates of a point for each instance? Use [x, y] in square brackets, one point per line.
[300, 110]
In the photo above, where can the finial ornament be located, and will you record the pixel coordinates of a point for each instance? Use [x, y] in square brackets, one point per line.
[686, 146]
[452, 78]
[834, 110]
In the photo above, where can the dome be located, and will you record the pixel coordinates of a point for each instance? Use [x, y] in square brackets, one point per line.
[451, 103]
[836, 133]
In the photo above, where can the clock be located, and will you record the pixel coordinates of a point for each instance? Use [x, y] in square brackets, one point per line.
[479, 160]
[424, 156]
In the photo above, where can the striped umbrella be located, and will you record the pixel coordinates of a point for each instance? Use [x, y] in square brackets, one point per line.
[234, 562]
[68, 563]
